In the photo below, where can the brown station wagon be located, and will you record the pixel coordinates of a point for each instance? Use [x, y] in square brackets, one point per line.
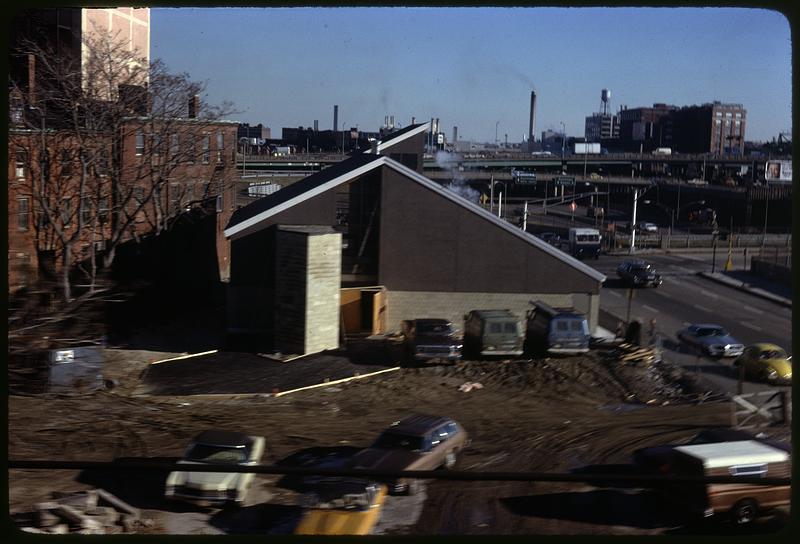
[418, 442]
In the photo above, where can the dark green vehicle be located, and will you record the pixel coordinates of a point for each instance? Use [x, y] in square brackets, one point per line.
[492, 332]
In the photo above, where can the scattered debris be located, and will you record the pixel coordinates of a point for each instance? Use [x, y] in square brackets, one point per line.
[466, 387]
[82, 513]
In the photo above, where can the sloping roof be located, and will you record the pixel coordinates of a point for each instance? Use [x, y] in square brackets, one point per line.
[397, 137]
[246, 220]
[734, 453]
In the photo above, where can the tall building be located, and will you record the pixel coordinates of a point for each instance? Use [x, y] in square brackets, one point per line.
[645, 128]
[710, 128]
[601, 126]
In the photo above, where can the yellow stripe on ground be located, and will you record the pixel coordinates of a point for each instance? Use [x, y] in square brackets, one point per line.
[343, 380]
[185, 356]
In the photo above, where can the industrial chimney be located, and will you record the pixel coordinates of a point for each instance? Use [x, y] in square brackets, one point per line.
[335, 117]
[532, 126]
[455, 135]
[194, 106]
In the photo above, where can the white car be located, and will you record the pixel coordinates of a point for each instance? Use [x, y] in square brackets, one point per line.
[214, 488]
[648, 227]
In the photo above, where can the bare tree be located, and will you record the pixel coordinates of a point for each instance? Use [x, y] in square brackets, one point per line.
[108, 143]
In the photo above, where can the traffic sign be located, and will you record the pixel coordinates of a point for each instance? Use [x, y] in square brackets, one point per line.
[564, 180]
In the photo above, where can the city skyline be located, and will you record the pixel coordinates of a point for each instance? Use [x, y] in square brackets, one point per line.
[292, 65]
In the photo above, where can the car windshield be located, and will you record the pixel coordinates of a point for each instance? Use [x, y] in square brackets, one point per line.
[712, 331]
[434, 328]
[390, 440]
[772, 354]
[588, 237]
[217, 454]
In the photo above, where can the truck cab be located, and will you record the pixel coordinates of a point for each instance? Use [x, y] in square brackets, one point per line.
[584, 242]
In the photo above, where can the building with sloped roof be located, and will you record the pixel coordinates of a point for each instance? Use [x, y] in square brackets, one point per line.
[410, 248]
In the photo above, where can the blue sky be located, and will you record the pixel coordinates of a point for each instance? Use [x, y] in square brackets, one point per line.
[474, 67]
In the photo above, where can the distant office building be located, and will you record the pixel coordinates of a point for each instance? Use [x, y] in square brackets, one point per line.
[258, 131]
[600, 126]
[710, 128]
[645, 128]
[553, 141]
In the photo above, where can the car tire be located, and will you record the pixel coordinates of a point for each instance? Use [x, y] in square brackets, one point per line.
[412, 488]
[449, 460]
[744, 512]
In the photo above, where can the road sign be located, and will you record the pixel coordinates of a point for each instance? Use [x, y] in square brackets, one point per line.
[564, 180]
[522, 177]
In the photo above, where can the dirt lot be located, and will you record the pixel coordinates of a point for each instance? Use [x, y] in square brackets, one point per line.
[553, 415]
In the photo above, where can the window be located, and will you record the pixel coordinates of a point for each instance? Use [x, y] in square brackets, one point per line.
[718, 114]
[220, 145]
[102, 210]
[21, 159]
[219, 203]
[738, 115]
[510, 328]
[728, 114]
[86, 210]
[495, 328]
[66, 211]
[158, 144]
[191, 149]
[66, 163]
[139, 143]
[718, 122]
[206, 148]
[102, 163]
[174, 147]
[562, 326]
[138, 195]
[23, 210]
[749, 470]
[737, 123]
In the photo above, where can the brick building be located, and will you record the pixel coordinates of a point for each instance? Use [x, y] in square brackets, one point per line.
[710, 128]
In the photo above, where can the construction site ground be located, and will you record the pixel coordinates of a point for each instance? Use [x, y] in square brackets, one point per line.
[585, 414]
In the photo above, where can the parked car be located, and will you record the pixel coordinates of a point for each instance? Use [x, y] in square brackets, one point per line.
[657, 459]
[431, 339]
[648, 227]
[713, 340]
[556, 330]
[210, 488]
[492, 332]
[341, 506]
[417, 442]
[551, 238]
[746, 458]
[766, 362]
[639, 273]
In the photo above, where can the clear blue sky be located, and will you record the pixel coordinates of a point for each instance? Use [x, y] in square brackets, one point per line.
[474, 67]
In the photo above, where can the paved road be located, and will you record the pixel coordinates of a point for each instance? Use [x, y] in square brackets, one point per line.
[687, 298]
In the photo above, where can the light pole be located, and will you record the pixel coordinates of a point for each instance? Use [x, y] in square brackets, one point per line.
[496, 125]
[766, 216]
[563, 137]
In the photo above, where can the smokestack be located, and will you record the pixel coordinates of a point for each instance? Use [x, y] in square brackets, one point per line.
[386, 120]
[413, 120]
[532, 126]
[455, 135]
[335, 118]
[316, 125]
[437, 125]
[391, 121]
[194, 106]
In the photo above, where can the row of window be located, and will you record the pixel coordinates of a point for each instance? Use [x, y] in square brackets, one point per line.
[728, 114]
[176, 198]
[190, 146]
[66, 163]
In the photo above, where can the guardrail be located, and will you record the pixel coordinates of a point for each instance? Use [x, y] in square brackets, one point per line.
[667, 241]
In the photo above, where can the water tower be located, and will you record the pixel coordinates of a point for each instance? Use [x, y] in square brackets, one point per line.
[605, 101]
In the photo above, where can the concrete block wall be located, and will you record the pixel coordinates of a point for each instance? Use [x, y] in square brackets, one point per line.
[402, 305]
[323, 282]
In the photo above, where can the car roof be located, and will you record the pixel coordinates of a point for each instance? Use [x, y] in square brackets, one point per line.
[706, 326]
[432, 321]
[494, 313]
[725, 454]
[418, 424]
[635, 261]
[767, 347]
[224, 438]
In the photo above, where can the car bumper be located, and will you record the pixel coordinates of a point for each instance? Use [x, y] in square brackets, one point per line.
[724, 352]
[515, 352]
[567, 351]
[428, 356]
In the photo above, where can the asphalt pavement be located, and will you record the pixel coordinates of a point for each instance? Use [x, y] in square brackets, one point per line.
[684, 298]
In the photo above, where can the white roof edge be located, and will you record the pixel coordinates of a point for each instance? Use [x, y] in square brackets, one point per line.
[381, 145]
[544, 246]
[250, 225]
[740, 452]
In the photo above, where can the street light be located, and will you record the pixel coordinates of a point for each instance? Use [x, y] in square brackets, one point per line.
[563, 137]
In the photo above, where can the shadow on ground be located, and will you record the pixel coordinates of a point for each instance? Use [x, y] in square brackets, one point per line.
[258, 519]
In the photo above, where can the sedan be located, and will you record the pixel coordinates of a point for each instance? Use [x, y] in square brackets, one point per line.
[766, 362]
[648, 227]
[551, 238]
[216, 488]
[713, 340]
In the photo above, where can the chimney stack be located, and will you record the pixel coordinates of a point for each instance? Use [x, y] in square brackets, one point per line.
[335, 118]
[316, 125]
[455, 135]
[391, 121]
[532, 126]
[194, 107]
[413, 120]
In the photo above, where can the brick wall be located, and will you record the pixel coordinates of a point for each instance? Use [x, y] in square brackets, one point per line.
[402, 305]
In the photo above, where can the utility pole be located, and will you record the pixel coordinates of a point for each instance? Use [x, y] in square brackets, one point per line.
[491, 195]
[633, 220]
[525, 217]
[766, 216]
